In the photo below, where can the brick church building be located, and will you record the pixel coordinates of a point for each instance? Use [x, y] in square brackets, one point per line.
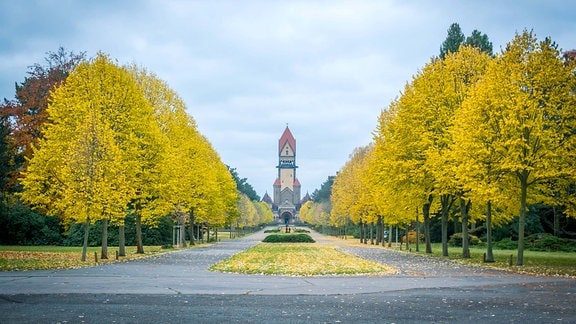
[286, 202]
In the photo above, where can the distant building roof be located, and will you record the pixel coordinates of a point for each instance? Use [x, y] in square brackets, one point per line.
[287, 137]
[296, 182]
[267, 198]
[305, 199]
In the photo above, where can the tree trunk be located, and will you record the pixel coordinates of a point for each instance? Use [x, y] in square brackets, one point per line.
[121, 241]
[104, 250]
[372, 233]
[444, 229]
[191, 228]
[465, 239]
[379, 230]
[417, 232]
[86, 232]
[361, 232]
[522, 218]
[426, 213]
[207, 233]
[138, 225]
[446, 202]
[182, 229]
[556, 221]
[407, 231]
[489, 252]
[390, 236]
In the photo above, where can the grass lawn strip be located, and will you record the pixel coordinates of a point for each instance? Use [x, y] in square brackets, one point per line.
[536, 263]
[295, 259]
[560, 264]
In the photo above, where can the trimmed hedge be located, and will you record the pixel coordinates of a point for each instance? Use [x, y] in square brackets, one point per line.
[289, 238]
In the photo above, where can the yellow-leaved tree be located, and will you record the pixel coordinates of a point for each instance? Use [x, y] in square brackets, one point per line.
[400, 153]
[316, 214]
[265, 212]
[305, 214]
[522, 115]
[412, 157]
[193, 185]
[219, 191]
[455, 75]
[88, 164]
[248, 212]
[384, 178]
[350, 198]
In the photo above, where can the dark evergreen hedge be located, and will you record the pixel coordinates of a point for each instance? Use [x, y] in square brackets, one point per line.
[289, 238]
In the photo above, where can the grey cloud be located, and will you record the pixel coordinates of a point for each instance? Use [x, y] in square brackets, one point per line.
[246, 68]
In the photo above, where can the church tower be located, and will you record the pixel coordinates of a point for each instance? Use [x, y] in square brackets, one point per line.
[286, 187]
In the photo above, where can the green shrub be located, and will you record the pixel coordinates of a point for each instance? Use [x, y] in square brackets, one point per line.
[276, 230]
[301, 230]
[539, 242]
[288, 238]
[549, 242]
[505, 244]
[456, 239]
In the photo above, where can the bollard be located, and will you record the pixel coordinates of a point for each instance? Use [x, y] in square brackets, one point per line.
[96, 257]
[511, 260]
[116, 255]
[484, 257]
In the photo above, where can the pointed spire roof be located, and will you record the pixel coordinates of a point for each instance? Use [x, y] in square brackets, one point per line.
[267, 198]
[306, 198]
[287, 137]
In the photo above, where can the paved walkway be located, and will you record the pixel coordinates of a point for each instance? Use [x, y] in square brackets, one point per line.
[442, 288]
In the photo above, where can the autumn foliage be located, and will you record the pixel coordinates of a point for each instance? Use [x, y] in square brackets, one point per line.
[479, 135]
[118, 140]
[26, 113]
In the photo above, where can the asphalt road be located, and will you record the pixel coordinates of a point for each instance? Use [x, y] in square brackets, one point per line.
[177, 288]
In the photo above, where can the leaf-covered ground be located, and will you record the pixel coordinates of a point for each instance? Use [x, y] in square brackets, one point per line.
[298, 260]
[50, 258]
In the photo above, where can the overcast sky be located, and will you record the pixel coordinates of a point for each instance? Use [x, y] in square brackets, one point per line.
[247, 68]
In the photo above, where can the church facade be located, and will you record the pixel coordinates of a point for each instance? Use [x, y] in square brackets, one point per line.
[286, 202]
